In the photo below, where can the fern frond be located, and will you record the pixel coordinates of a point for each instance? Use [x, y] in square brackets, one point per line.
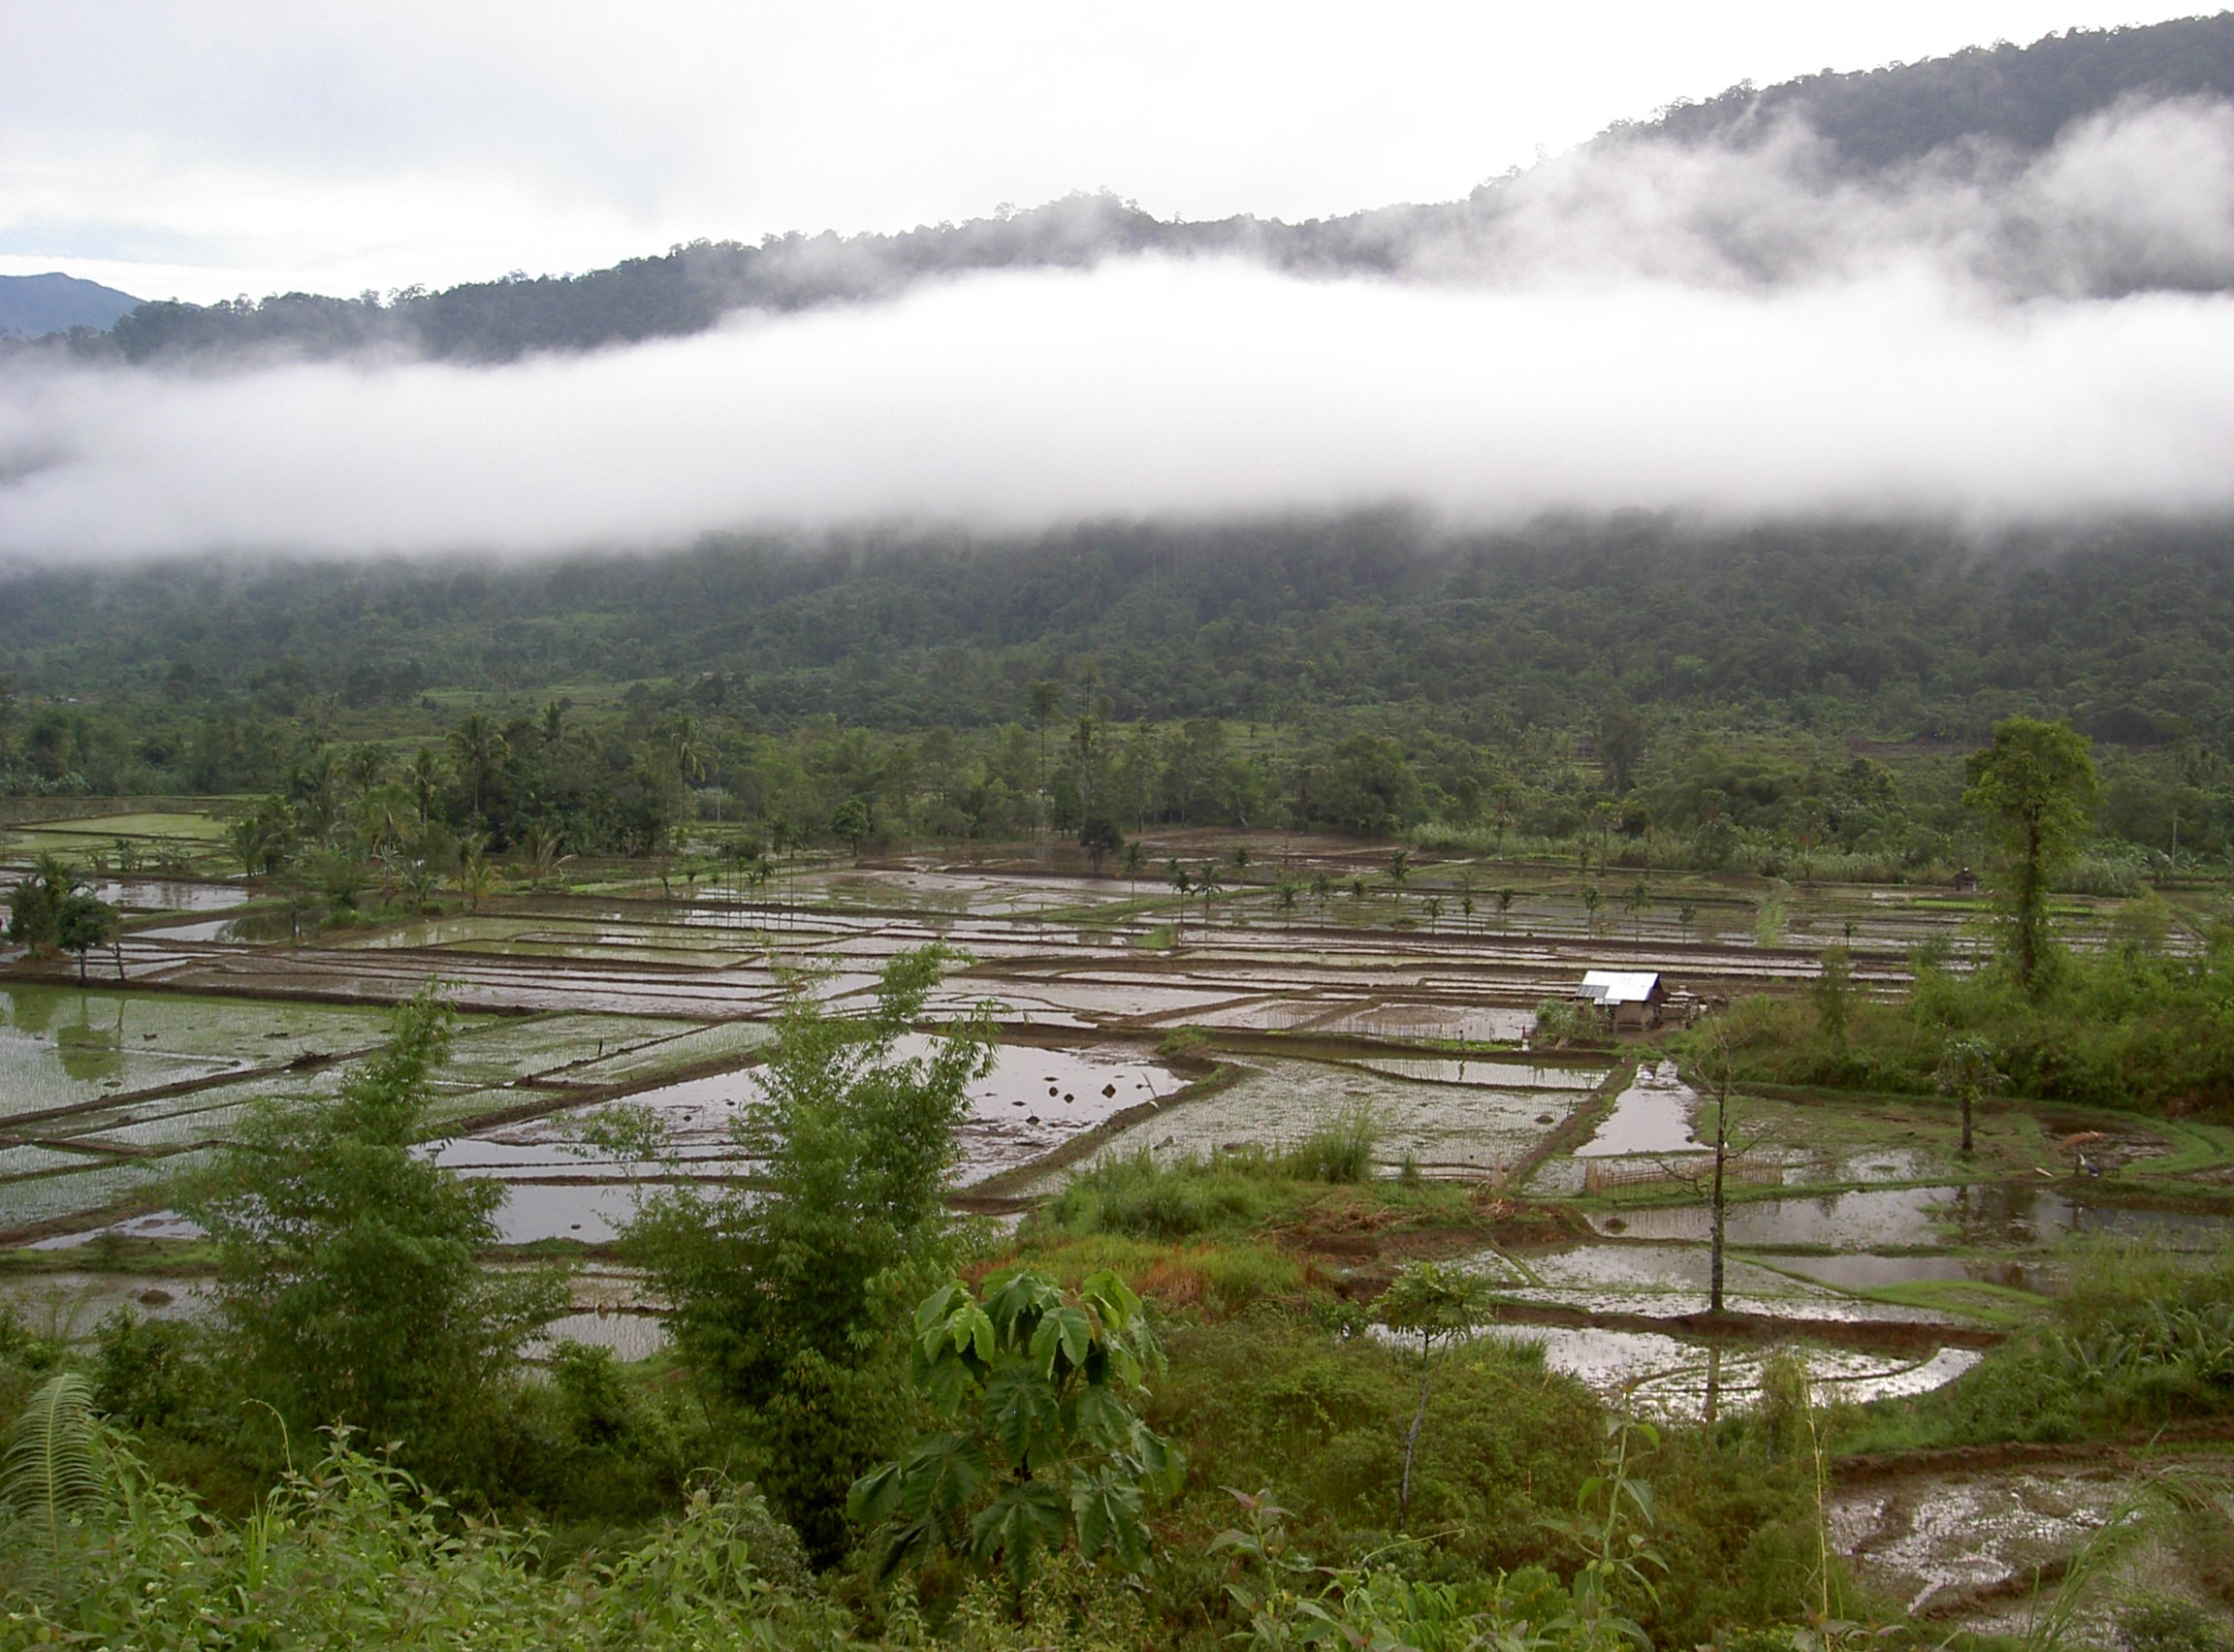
[52, 1467]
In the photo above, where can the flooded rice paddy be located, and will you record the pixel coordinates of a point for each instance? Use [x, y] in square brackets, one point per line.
[662, 995]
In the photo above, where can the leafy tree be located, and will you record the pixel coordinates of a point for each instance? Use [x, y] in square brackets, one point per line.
[1436, 1305]
[35, 904]
[1100, 838]
[348, 1285]
[785, 1297]
[1044, 1447]
[84, 922]
[1622, 736]
[2036, 786]
[851, 823]
[262, 838]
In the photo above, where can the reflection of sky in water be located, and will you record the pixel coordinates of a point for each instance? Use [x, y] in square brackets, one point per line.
[1665, 1377]
[1031, 1102]
[1653, 1114]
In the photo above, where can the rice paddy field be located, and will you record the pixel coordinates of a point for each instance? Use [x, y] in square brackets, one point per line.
[1131, 1022]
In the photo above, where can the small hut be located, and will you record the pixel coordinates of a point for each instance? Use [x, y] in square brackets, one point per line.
[1631, 998]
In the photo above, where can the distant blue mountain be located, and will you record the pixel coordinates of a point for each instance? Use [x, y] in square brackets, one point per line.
[31, 305]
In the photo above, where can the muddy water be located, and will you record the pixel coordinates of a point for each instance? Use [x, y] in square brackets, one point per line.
[71, 1305]
[1932, 1540]
[1653, 1114]
[1668, 1378]
[1670, 1281]
[60, 1046]
[1488, 1072]
[1871, 1219]
[1447, 1129]
[1865, 1271]
[1031, 1102]
[170, 895]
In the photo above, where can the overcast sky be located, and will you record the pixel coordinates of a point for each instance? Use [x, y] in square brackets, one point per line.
[214, 148]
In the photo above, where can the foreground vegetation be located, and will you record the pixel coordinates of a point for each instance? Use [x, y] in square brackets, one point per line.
[1246, 1398]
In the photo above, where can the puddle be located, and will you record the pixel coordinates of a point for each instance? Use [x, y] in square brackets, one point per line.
[1653, 1114]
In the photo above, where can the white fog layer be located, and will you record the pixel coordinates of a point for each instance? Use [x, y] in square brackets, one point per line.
[1735, 332]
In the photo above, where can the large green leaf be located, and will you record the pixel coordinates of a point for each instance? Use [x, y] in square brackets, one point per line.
[1062, 1330]
[1106, 1509]
[1023, 1412]
[1023, 1518]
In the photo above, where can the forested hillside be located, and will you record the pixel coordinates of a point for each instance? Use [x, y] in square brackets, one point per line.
[1906, 632]
[2005, 100]
[1367, 674]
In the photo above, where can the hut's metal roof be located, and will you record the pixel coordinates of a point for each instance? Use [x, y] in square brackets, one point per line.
[1612, 987]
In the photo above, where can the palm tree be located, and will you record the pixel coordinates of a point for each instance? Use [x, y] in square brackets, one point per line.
[367, 766]
[1591, 899]
[1399, 870]
[1207, 883]
[1638, 903]
[1046, 699]
[683, 740]
[1505, 899]
[1181, 882]
[476, 873]
[540, 853]
[1434, 906]
[1136, 857]
[425, 779]
[1287, 900]
[477, 744]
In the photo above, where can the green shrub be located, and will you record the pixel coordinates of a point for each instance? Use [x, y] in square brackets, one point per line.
[1131, 1193]
[1340, 1150]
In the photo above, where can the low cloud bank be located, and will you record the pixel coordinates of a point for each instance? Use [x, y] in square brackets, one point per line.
[2137, 197]
[1737, 331]
[1155, 387]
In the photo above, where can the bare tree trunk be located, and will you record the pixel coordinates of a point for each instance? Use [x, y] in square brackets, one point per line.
[1721, 1207]
[1966, 1118]
[1412, 1439]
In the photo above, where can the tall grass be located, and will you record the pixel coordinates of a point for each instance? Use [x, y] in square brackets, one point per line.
[2144, 1337]
[1340, 1150]
[1133, 1193]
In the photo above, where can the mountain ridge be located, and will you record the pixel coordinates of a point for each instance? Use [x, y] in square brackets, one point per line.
[33, 306]
[2001, 100]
